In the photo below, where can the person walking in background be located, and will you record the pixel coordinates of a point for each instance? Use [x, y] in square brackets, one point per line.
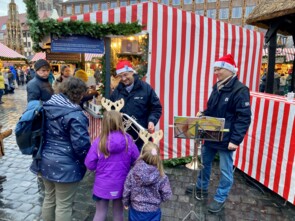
[230, 99]
[2, 86]
[21, 75]
[141, 101]
[111, 156]
[65, 73]
[65, 146]
[39, 87]
[146, 186]
[262, 83]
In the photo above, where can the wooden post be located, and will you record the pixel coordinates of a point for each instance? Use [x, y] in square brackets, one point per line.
[271, 64]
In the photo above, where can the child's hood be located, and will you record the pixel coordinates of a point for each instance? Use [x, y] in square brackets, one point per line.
[146, 174]
[117, 142]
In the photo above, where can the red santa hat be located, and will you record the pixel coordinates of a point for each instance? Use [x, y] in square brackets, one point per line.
[227, 62]
[124, 66]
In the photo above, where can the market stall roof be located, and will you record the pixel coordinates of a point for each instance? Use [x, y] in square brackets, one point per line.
[8, 53]
[42, 55]
[287, 52]
[268, 11]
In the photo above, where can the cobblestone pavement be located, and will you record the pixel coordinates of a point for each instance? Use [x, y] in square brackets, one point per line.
[22, 197]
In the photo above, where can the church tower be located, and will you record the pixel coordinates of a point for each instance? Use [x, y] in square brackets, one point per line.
[14, 33]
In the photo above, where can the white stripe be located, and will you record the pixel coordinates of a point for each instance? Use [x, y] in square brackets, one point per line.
[140, 14]
[105, 17]
[80, 17]
[93, 17]
[128, 14]
[117, 14]
[212, 60]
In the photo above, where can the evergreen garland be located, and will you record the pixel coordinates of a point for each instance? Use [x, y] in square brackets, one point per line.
[40, 29]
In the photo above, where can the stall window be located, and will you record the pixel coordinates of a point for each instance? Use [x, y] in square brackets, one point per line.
[77, 9]
[187, 2]
[69, 10]
[211, 13]
[199, 1]
[166, 2]
[29, 44]
[86, 8]
[211, 0]
[237, 12]
[223, 13]
[104, 6]
[3, 27]
[95, 7]
[114, 4]
[249, 9]
[24, 34]
[28, 34]
[176, 2]
[123, 3]
[200, 12]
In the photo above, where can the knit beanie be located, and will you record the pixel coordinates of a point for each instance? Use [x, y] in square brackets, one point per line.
[81, 75]
[124, 66]
[227, 62]
[41, 63]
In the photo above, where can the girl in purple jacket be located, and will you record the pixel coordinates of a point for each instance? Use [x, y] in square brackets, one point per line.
[110, 156]
[146, 186]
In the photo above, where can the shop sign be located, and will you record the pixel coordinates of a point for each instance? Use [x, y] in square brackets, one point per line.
[279, 60]
[77, 44]
[53, 56]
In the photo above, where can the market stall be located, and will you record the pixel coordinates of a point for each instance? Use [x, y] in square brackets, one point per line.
[182, 47]
[268, 151]
[10, 57]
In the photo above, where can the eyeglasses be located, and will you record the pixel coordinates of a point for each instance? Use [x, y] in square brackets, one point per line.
[124, 74]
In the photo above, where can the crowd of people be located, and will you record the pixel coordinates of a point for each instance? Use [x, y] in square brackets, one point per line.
[127, 172]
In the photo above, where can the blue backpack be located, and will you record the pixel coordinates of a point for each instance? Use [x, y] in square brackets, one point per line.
[29, 129]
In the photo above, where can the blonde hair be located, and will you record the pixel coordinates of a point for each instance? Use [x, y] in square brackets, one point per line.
[111, 121]
[150, 154]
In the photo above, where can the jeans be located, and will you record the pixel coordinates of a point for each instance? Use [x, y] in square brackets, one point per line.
[226, 172]
[58, 200]
[1, 94]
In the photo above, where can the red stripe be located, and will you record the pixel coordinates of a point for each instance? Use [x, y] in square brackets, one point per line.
[233, 41]
[86, 17]
[199, 68]
[111, 16]
[172, 70]
[154, 45]
[252, 145]
[244, 155]
[73, 17]
[281, 147]
[261, 139]
[134, 14]
[207, 70]
[162, 73]
[271, 143]
[190, 73]
[225, 38]
[99, 17]
[246, 58]
[180, 77]
[145, 14]
[289, 168]
[218, 39]
[123, 15]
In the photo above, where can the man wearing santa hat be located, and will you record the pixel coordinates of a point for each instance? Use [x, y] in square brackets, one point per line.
[230, 99]
[141, 101]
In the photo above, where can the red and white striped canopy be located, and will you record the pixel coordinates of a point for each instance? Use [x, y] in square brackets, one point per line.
[7, 52]
[288, 52]
[182, 49]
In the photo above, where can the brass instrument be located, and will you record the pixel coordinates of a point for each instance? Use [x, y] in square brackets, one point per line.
[195, 164]
[128, 122]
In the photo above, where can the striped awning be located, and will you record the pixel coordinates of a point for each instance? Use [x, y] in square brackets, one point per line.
[90, 57]
[6, 52]
[288, 52]
[183, 47]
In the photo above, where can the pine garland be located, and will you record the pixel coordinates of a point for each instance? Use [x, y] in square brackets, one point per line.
[39, 29]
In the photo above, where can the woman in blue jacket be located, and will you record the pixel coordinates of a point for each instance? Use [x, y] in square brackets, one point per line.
[66, 143]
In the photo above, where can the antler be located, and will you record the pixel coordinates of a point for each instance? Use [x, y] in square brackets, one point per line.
[156, 136]
[108, 104]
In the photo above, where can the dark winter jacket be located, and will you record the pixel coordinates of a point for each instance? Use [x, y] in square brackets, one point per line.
[66, 141]
[142, 103]
[145, 189]
[39, 89]
[231, 102]
[111, 172]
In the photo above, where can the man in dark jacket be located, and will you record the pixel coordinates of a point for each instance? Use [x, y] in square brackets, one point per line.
[230, 99]
[141, 101]
[39, 87]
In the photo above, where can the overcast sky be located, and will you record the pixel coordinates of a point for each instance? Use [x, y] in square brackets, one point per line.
[4, 6]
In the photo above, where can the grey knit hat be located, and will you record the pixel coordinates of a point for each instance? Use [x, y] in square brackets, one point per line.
[41, 63]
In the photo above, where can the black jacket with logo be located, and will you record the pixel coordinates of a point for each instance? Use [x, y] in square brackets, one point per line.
[142, 103]
[231, 102]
